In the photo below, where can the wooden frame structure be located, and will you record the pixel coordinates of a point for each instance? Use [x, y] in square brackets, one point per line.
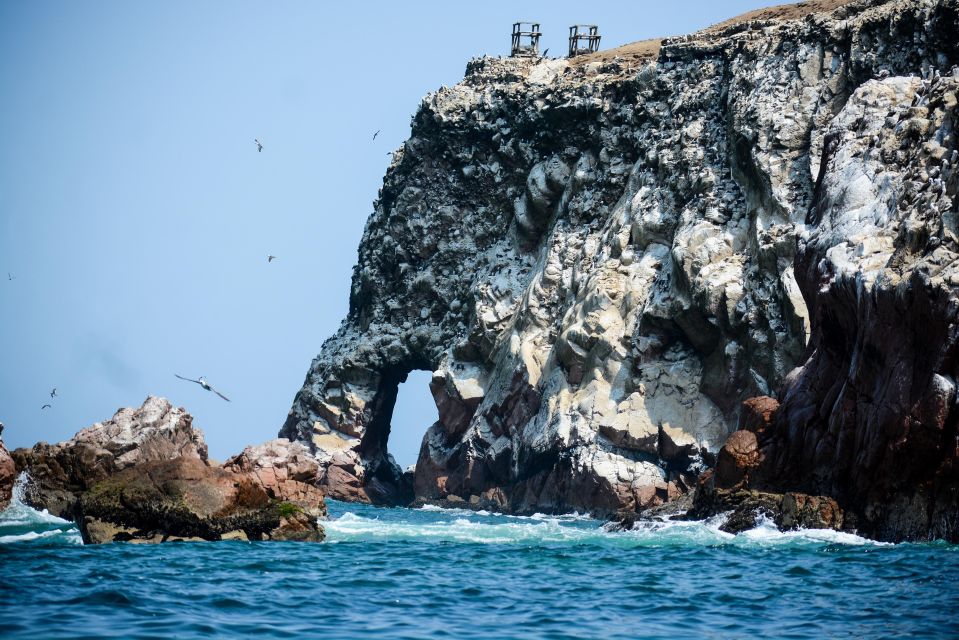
[589, 36]
[525, 42]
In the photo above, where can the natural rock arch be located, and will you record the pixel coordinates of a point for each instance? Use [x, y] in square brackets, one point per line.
[596, 261]
[348, 427]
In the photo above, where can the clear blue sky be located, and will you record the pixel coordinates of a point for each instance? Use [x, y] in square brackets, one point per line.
[136, 214]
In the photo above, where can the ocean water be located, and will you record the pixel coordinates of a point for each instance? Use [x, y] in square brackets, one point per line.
[415, 573]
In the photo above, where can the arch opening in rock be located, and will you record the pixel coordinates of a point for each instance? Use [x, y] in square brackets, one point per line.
[383, 479]
[413, 413]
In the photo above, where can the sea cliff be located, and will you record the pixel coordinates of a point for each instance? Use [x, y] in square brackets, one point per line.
[600, 259]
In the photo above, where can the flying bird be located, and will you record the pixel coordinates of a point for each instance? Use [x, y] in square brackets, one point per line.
[259, 146]
[9, 277]
[53, 394]
[203, 383]
[46, 406]
[376, 134]
[545, 52]
[270, 258]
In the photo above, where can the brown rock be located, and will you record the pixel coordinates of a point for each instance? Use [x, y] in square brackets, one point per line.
[285, 471]
[185, 498]
[343, 485]
[59, 473]
[101, 532]
[788, 511]
[758, 413]
[810, 512]
[144, 476]
[8, 474]
[297, 527]
[738, 456]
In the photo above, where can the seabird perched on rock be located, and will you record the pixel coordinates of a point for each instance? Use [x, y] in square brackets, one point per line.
[259, 146]
[203, 383]
[53, 394]
[270, 258]
[376, 134]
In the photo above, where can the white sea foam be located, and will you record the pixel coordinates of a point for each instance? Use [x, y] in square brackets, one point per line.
[21, 523]
[767, 533]
[467, 528]
[33, 535]
[461, 525]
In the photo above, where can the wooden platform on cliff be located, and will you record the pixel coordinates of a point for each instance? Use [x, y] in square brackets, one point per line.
[646, 50]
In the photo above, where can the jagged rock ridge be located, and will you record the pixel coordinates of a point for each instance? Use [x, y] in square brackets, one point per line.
[598, 261]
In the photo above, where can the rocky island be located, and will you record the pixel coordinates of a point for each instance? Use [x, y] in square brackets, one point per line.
[713, 273]
[601, 259]
[144, 476]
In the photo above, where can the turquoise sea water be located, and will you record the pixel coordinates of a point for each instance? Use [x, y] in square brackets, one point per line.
[401, 573]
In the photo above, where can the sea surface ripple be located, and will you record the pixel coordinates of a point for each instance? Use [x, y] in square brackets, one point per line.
[414, 573]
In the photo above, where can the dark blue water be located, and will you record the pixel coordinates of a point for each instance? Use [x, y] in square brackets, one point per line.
[401, 573]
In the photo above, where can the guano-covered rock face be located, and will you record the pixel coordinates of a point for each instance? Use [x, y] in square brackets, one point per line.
[600, 259]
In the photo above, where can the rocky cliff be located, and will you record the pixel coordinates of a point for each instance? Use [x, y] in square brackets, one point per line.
[599, 259]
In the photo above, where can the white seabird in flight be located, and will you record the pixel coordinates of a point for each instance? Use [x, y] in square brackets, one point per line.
[203, 383]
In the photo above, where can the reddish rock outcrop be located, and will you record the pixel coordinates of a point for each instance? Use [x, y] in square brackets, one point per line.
[187, 499]
[60, 472]
[284, 470]
[8, 474]
[739, 483]
[144, 476]
[738, 456]
[757, 414]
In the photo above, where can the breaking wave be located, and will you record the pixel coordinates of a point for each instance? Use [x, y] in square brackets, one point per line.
[355, 523]
[22, 524]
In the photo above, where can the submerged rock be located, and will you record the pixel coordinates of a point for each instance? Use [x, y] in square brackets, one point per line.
[144, 476]
[746, 509]
[597, 259]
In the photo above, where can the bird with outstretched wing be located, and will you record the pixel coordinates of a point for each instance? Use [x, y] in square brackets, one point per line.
[203, 383]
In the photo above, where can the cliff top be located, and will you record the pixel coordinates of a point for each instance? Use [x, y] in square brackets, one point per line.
[644, 50]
